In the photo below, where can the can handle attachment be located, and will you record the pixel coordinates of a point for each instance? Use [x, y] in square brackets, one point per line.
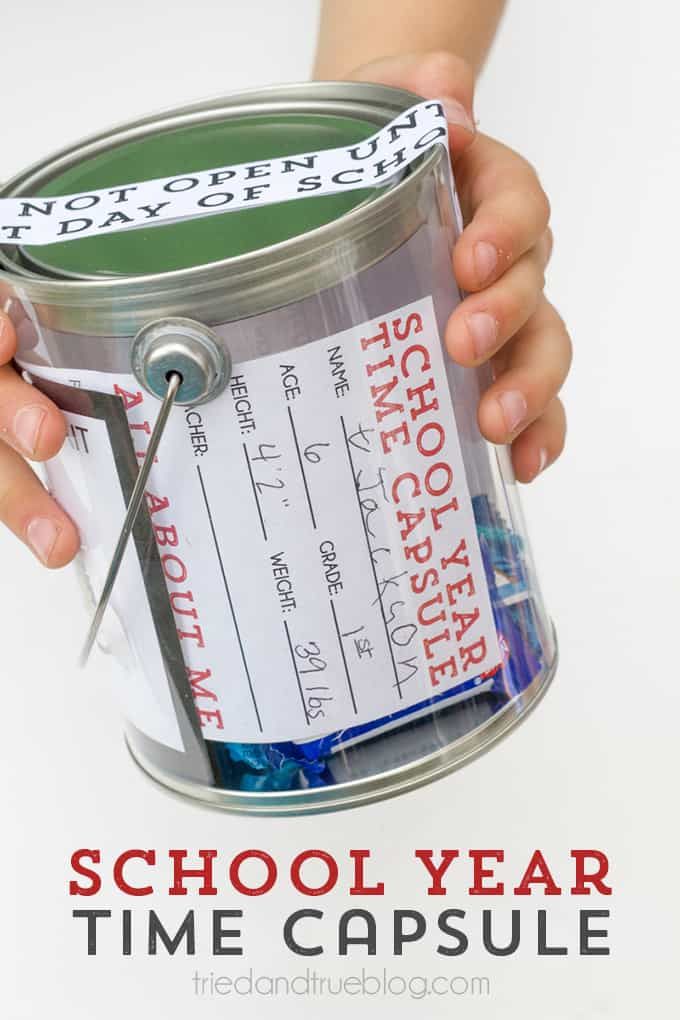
[179, 361]
[186, 347]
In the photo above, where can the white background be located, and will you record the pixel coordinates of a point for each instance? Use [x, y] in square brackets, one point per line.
[588, 91]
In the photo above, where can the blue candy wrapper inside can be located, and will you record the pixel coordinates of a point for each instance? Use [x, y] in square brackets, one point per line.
[289, 765]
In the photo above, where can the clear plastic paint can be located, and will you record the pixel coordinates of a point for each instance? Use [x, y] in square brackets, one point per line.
[329, 597]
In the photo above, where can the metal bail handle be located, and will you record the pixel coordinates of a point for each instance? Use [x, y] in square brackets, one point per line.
[179, 361]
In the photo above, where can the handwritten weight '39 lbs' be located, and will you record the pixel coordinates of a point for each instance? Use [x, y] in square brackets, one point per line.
[328, 594]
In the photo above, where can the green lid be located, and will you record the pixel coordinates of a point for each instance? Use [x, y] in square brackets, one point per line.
[211, 238]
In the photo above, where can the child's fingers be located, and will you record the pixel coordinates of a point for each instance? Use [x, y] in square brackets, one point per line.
[542, 443]
[33, 426]
[30, 512]
[483, 322]
[29, 421]
[535, 366]
[506, 207]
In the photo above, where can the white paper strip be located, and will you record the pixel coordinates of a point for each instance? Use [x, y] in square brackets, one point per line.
[368, 164]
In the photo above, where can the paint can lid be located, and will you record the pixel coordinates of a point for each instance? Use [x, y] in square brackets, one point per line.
[208, 239]
[299, 248]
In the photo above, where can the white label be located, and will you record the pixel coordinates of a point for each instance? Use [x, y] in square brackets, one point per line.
[85, 479]
[368, 164]
[317, 535]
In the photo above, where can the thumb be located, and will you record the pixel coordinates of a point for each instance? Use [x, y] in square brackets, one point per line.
[442, 76]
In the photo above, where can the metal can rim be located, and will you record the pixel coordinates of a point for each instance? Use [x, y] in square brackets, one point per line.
[243, 285]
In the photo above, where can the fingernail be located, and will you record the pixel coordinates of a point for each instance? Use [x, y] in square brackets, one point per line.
[542, 460]
[26, 427]
[42, 535]
[484, 332]
[514, 408]
[485, 257]
[457, 114]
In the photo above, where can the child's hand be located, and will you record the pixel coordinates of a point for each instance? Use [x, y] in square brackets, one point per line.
[31, 426]
[499, 260]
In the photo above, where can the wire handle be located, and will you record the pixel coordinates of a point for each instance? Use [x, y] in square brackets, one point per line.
[174, 383]
[178, 361]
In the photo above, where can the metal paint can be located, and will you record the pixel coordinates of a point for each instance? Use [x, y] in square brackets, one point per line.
[330, 597]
